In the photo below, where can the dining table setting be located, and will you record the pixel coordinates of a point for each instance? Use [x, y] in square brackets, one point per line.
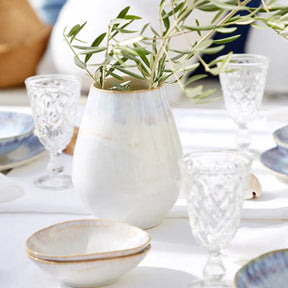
[175, 258]
[119, 169]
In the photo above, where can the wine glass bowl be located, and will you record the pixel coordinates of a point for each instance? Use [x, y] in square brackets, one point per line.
[215, 185]
[53, 100]
[243, 83]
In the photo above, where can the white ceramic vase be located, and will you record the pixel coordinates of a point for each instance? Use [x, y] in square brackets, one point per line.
[126, 159]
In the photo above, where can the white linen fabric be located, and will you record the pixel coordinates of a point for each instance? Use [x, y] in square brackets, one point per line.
[198, 129]
[176, 259]
[9, 190]
[41, 200]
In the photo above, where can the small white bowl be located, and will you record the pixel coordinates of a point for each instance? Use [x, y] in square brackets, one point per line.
[79, 240]
[91, 273]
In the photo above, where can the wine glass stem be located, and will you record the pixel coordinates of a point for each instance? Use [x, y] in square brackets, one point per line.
[214, 269]
[243, 139]
[55, 166]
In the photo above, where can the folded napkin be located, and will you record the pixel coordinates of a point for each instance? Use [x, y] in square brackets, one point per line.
[9, 190]
[41, 200]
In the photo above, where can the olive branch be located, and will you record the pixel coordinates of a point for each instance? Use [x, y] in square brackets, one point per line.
[147, 54]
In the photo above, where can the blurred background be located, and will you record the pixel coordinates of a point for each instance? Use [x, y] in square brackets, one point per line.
[32, 43]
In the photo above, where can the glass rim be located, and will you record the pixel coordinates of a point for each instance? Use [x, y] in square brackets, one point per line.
[258, 59]
[245, 160]
[36, 78]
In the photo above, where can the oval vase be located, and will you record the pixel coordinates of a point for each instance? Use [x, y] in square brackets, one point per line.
[126, 159]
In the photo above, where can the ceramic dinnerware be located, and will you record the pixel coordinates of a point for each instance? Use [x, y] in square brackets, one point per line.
[14, 129]
[269, 270]
[79, 240]
[91, 273]
[281, 139]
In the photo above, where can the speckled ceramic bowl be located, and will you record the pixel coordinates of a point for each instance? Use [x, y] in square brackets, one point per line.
[85, 239]
[269, 270]
[14, 129]
[91, 273]
[281, 139]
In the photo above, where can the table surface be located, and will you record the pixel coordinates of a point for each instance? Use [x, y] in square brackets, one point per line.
[175, 259]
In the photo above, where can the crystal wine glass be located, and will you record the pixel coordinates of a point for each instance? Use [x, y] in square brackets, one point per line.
[215, 185]
[53, 100]
[243, 84]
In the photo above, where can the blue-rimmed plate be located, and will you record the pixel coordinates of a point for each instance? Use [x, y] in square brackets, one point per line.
[277, 162]
[29, 150]
[281, 138]
[269, 270]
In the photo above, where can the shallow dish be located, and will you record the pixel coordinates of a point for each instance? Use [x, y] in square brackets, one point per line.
[91, 273]
[277, 162]
[30, 149]
[269, 270]
[78, 240]
[14, 129]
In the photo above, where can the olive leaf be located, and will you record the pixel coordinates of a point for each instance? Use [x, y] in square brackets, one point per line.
[147, 53]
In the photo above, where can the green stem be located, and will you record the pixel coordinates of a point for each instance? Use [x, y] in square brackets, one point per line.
[265, 6]
[76, 55]
[173, 9]
[106, 58]
[221, 22]
[206, 37]
[168, 36]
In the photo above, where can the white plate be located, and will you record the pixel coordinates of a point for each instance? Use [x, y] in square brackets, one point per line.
[30, 149]
[276, 162]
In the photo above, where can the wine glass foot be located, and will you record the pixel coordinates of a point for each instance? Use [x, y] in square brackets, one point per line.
[202, 284]
[55, 182]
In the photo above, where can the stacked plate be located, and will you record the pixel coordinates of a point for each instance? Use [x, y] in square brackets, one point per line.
[276, 158]
[18, 144]
[89, 252]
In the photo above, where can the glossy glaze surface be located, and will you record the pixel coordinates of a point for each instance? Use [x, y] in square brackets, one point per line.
[87, 239]
[281, 139]
[30, 149]
[91, 273]
[266, 271]
[276, 161]
[14, 129]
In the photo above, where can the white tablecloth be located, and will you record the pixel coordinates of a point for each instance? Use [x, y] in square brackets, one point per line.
[175, 259]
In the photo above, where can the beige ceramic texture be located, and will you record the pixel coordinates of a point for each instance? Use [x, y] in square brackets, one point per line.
[86, 239]
[91, 273]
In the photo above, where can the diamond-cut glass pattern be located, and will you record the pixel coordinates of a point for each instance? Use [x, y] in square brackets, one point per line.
[215, 187]
[53, 106]
[243, 86]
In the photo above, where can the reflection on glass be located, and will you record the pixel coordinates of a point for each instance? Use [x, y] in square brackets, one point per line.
[53, 100]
